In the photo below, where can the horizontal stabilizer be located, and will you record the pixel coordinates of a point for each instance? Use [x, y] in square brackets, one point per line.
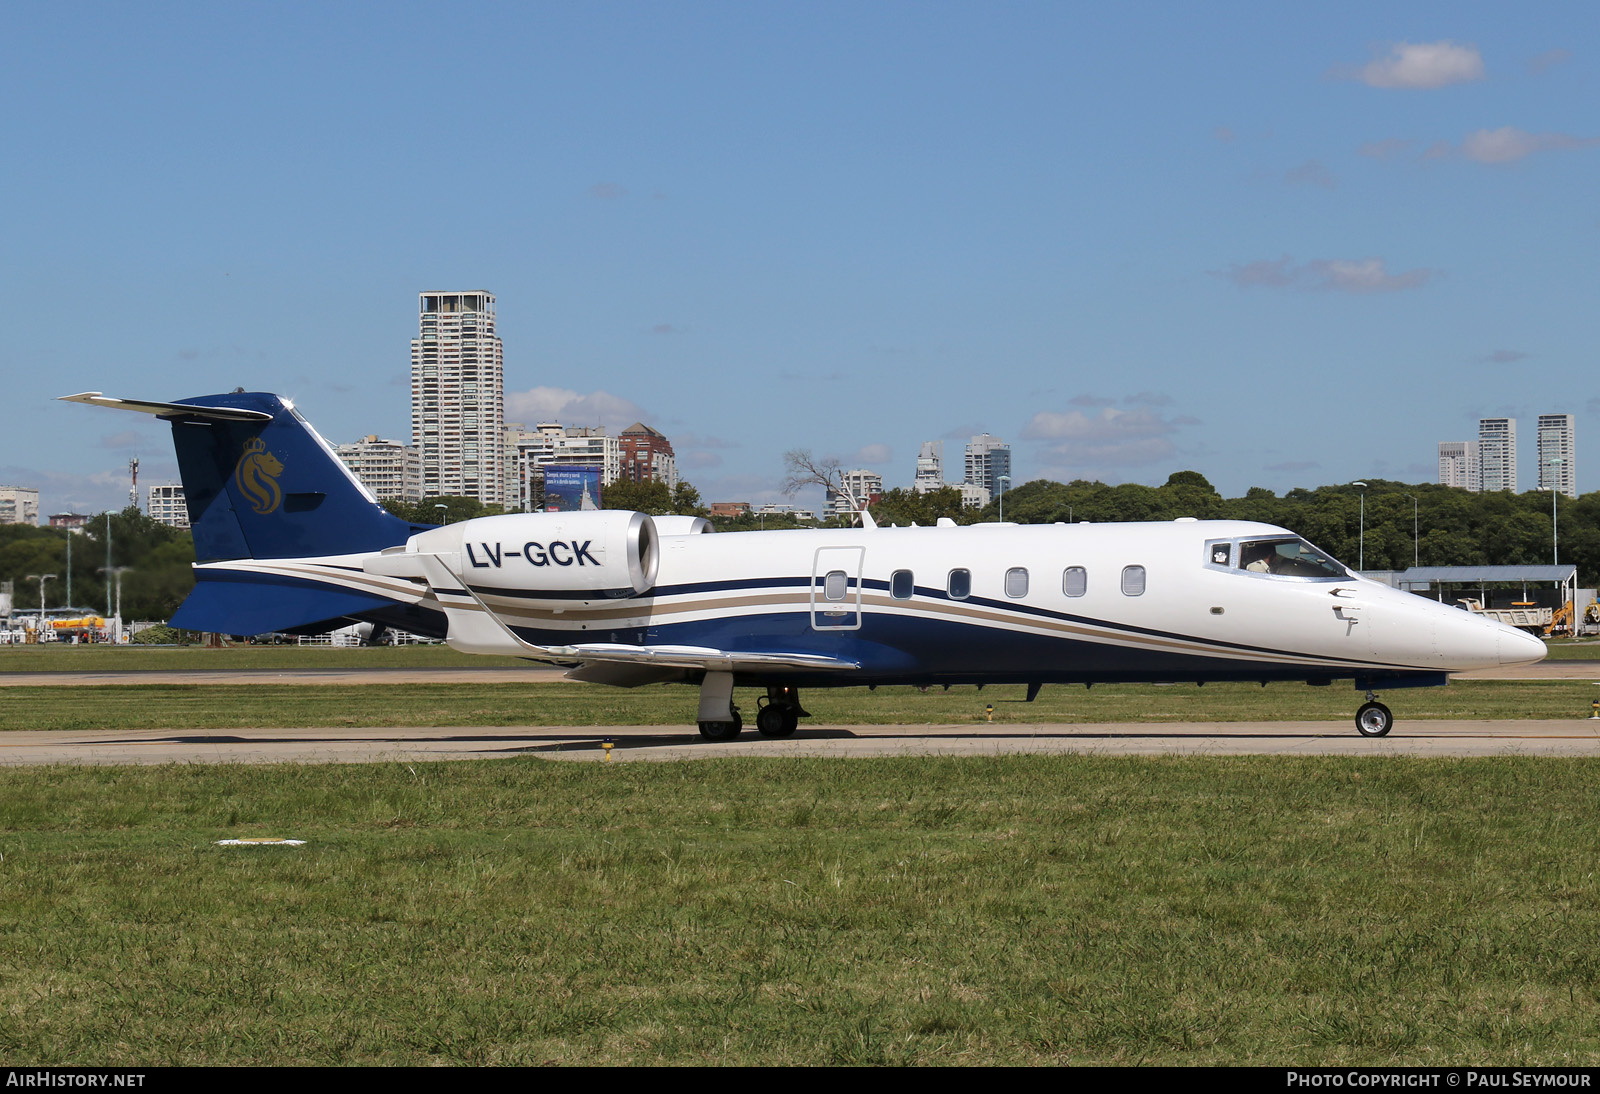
[188, 410]
[257, 605]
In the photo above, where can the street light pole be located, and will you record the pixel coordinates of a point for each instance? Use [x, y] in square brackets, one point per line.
[116, 572]
[1416, 536]
[42, 578]
[1361, 559]
[1554, 559]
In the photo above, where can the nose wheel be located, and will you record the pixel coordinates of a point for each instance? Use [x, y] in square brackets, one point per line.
[1374, 719]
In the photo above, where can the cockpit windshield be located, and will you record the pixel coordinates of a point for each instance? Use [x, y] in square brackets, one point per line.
[1287, 557]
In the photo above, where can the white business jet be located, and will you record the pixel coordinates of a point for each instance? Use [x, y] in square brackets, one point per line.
[287, 539]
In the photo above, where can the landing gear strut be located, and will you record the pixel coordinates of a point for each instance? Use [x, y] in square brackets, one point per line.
[1374, 719]
[719, 718]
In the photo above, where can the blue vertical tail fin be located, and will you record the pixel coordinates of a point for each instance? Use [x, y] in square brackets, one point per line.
[268, 486]
[262, 484]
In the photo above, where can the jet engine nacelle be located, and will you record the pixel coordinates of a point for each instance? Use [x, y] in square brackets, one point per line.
[558, 558]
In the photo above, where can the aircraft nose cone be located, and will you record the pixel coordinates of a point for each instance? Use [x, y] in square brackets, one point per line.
[1520, 647]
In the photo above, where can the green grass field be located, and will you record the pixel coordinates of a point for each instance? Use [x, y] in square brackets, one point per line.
[1017, 910]
[1022, 910]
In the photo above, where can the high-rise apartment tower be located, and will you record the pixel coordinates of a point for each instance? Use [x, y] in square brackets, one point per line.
[1458, 464]
[458, 396]
[1497, 454]
[1556, 470]
[988, 460]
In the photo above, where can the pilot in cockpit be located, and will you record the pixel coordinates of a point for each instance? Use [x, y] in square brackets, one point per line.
[1257, 558]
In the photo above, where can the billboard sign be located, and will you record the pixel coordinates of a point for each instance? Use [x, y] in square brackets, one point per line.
[571, 488]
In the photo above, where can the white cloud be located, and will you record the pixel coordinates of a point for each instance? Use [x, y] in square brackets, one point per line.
[1423, 66]
[1507, 144]
[557, 404]
[871, 455]
[1367, 275]
[1110, 438]
[68, 492]
[128, 438]
[1549, 59]
[1311, 173]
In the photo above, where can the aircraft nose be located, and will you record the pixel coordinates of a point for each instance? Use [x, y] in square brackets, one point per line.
[1520, 647]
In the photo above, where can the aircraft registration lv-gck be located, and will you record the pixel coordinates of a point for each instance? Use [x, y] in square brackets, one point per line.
[287, 539]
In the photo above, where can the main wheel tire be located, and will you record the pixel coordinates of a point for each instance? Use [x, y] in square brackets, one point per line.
[777, 720]
[722, 731]
[1374, 720]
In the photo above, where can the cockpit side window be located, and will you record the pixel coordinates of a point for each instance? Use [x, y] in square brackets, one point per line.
[1287, 557]
[1219, 552]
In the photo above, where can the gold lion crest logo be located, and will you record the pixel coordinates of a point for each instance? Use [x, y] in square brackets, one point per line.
[256, 477]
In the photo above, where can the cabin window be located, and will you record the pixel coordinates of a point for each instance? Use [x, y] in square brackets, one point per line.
[1133, 581]
[902, 585]
[835, 585]
[960, 584]
[1075, 581]
[1017, 582]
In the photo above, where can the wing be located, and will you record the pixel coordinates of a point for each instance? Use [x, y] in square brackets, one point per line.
[633, 666]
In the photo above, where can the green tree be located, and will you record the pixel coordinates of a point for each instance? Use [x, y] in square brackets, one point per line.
[652, 498]
[907, 507]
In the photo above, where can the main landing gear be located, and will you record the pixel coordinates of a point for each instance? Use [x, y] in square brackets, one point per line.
[782, 713]
[1374, 719]
[719, 719]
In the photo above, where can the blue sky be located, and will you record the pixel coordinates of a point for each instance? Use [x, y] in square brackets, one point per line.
[1280, 244]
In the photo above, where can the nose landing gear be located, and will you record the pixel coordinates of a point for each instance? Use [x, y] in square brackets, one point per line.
[1374, 719]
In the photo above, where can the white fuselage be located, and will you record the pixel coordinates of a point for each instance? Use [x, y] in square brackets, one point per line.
[982, 603]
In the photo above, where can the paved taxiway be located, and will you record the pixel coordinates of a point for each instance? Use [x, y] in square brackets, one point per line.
[1419, 737]
[1545, 670]
[1577, 737]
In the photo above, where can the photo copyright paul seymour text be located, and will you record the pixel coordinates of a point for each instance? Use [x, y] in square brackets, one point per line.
[1468, 1079]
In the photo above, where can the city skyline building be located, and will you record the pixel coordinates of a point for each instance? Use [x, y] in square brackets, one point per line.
[458, 396]
[19, 505]
[529, 452]
[930, 468]
[647, 456]
[1497, 454]
[988, 460]
[1458, 465]
[1557, 454]
[389, 469]
[167, 505]
[860, 489]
